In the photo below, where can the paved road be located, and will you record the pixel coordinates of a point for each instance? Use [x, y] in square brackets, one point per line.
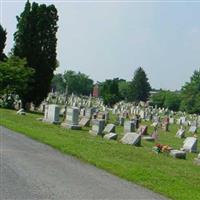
[31, 170]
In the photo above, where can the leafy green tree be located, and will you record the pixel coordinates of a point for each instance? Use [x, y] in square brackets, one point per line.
[172, 100]
[158, 99]
[35, 40]
[14, 76]
[124, 89]
[109, 90]
[190, 94]
[166, 99]
[78, 83]
[2, 42]
[58, 83]
[139, 86]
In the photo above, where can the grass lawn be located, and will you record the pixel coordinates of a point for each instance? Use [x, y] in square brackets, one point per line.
[174, 178]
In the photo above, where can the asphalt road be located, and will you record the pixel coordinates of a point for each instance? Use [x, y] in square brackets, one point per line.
[31, 170]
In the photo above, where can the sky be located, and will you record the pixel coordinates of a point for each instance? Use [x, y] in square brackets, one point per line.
[109, 39]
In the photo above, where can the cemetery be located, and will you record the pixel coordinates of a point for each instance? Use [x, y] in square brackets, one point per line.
[140, 144]
[123, 125]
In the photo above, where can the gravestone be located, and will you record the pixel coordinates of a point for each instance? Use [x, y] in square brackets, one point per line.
[121, 120]
[89, 112]
[21, 112]
[132, 139]
[84, 122]
[129, 126]
[190, 144]
[97, 127]
[143, 130]
[110, 136]
[180, 133]
[193, 129]
[101, 115]
[107, 116]
[171, 120]
[51, 114]
[148, 138]
[72, 119]
[178, 154]
[197, 160]
[109, 128]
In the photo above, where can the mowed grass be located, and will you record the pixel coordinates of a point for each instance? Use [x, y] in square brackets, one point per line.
[173, 178]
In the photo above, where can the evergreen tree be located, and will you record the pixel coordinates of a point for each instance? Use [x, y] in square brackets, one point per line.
[2, 42]
[35, 40]
[139, 86]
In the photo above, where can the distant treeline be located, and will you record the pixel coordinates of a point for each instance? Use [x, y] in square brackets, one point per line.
[111, 90]
[187, 99]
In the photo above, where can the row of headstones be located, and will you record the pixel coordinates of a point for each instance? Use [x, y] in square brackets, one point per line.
[52, 115]
[108, 131]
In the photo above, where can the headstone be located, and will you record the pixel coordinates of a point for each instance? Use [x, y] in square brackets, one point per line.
[193, 129]
[109, 128]
[178, 154]
[171, 120]
[89, 112]
[84, 122]
[190, 144]
[148, 138]
[110, 136]
[143, 130]
[121, 120]
[132, 139]
[129, 126]
[154, 135]
[21, 112]
[72, 119]
[51, 114]
[101, 115]
[98, 127]
[197, 160]
[180, 133]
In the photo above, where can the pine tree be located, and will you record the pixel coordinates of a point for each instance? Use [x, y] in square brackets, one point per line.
[139, 86]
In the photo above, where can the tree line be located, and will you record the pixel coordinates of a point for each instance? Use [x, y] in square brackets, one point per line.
[111, 90]
[187, 99]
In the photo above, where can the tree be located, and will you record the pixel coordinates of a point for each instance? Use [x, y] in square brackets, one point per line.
[124, 89]
[58, 83]
[190, 94]
[35, 40]
[110, 91]
[172, 100]
[14, 76]
[166, 99]
[139, 86]
[158, 99]
[2, 42]
[78, 83]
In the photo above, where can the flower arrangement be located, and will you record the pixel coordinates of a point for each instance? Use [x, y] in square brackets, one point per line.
[160, 148]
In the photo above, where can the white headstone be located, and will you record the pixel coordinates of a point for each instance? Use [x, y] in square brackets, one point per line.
[109, 128]
[190, 144]
[52, 113]
[131, 138]
[110, 136]
[72, 119]
[129, 126]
